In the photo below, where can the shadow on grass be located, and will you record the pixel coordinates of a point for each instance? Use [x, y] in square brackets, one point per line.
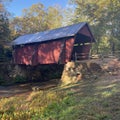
[95, 100]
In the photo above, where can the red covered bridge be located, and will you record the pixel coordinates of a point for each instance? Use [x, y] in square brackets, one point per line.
[54, 46]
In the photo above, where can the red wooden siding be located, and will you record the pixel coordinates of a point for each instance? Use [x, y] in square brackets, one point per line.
[52, 52]
[49, 52]
[45, 53]
[24, 55]
[68, 49]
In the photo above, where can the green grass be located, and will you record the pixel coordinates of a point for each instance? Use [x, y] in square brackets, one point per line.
[86, 100]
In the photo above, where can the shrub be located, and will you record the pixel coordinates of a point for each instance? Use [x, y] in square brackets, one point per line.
[19, 79]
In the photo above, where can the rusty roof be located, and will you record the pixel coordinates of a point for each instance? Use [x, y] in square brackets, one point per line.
[49, 35]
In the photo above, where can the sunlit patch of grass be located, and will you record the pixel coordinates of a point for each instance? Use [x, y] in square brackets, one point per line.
[106, 86]
[106, 93]
[57, 109]
[115, 90]
[107, 90]
[21, 108]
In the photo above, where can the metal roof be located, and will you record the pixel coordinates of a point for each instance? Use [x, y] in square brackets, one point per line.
[48, 35]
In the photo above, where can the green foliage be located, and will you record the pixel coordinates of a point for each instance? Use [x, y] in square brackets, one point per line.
[103, 17]
[1, 79]
[35, 19]
[4, 24]
[51, 71]
[4, 28]
[5, 54]
[19, 79]
[59, 110]
[8, 53]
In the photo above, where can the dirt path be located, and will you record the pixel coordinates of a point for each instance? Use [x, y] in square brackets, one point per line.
[15, 90]
[26, 89]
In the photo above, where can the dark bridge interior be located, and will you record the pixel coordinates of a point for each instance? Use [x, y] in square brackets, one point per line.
[81, 48]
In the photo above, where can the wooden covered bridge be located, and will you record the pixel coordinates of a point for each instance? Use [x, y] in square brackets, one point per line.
[55, 46]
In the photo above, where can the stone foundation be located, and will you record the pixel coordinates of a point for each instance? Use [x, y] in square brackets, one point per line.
[75, 71]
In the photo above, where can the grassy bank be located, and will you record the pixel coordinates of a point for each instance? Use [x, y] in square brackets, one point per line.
[86, 100]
